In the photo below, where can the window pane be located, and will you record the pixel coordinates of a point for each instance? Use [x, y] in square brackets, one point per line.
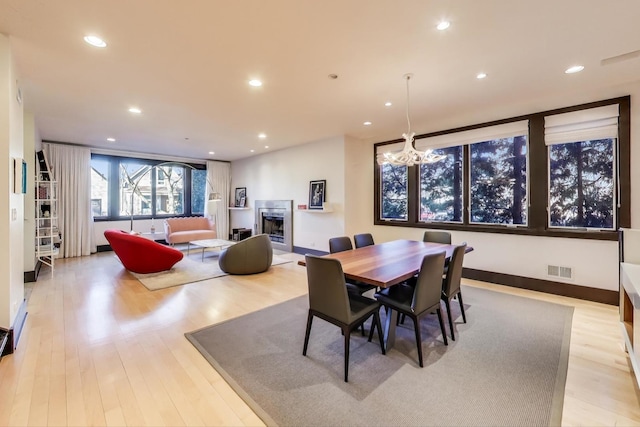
[198, 187]
[581, 184]
[394, 191]
[99, 187]
[135, 175]
[498, 186]
[441, 187]
[170, 190]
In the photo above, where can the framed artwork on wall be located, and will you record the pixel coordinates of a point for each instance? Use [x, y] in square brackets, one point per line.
[317, 193]
[241, 197]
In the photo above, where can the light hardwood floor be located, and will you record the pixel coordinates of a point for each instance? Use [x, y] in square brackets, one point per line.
[98, 348]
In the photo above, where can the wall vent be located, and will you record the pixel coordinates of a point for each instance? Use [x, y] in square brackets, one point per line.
[558, 271]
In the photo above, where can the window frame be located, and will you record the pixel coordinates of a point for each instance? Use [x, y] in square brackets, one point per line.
[113, 208]
[537, 171]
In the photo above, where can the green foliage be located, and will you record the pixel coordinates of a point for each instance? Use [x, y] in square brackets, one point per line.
[394, 191]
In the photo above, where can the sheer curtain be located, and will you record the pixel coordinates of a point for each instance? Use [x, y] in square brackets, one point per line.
[71, 167]
[219, 181]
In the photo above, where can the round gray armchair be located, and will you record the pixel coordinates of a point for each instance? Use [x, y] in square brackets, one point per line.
[249, 256]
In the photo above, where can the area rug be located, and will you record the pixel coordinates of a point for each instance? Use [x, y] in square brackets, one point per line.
[188, 271]
[507, 367]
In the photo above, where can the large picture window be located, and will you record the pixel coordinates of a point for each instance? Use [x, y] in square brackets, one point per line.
[581, 184]
[498, 181]
[394, 192]
[441, 187]
[559, 173]
[145, 191]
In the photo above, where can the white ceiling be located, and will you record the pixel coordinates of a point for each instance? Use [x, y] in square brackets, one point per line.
[186, 64]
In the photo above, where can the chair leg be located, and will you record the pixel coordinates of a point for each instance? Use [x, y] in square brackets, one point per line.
[306, 335]
[347, 334]
[373, 326]
[444, 333]
[376, 318]
[416, 327]
[464, 318]
[446, 303]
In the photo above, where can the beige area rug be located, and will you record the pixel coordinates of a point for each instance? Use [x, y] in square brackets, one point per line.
[189, 270]
[507, 367]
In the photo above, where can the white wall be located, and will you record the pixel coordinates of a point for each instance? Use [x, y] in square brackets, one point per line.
[11, 217]
[285, 175]
[30, 136]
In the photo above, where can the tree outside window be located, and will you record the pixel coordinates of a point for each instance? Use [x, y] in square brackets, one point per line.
[441, 187]
[582, 185]
[498, 175]
[394, 192]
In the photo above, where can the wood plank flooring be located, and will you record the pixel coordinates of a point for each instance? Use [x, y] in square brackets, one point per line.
[98, 348]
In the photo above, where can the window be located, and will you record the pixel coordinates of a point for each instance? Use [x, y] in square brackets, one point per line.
[582, 162]
[441, 187]
[99, 187]
[498, 181]
[581, 184]
[198, 190]
[144, 190]
[393, 191]
[557, 173]
[169, 190]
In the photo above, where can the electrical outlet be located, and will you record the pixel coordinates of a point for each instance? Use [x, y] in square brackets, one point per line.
[14, 214]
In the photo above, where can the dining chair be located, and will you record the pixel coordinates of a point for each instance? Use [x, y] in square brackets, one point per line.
[330, 301]
[417, 301]
[451, 284]
[341, 244]
[361, 240]
[437, 237]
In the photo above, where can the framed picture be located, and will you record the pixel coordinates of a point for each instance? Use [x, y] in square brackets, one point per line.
[241, 197]
[317, 193]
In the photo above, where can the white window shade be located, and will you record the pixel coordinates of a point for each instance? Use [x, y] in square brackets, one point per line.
[582, 125]
[389, 148]
[488, 133]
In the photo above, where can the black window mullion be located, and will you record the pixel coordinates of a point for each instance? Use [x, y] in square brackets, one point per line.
[538, 175]
[413, 194]
[466, 174]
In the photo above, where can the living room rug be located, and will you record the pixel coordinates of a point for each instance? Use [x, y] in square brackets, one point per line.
[189, 270]
[507, 366]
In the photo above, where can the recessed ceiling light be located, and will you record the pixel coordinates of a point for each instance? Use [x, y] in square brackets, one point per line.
[212, 152]
[111, 139]
[262, 135]
[481, 75]
[252, 151]
[443, 25]
[387, 104]
[255, 83]
[95, 41]
[367, 123]
[266, 146]
[574, 69]
[135, 110]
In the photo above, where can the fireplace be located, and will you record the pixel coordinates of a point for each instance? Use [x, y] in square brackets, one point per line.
[274, 218]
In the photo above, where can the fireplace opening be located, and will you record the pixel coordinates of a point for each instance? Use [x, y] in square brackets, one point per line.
[273, 225]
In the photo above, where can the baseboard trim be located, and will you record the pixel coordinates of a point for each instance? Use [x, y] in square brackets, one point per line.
[303, 251]
[15, 331]
[550, 287]
[30, 276]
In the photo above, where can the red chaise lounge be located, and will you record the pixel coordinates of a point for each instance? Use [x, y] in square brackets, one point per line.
[141, 255]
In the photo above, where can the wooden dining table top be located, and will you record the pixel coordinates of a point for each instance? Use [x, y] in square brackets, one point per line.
[389, 263]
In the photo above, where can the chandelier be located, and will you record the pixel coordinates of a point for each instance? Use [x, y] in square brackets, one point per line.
[409, 156]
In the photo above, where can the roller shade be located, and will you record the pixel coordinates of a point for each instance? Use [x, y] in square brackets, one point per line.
[582, 125]
[487, 133]
[389, 148]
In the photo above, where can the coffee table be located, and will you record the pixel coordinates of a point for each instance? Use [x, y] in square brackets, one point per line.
[211, 243]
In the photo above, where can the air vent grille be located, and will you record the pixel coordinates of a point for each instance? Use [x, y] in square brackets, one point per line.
[559, 271]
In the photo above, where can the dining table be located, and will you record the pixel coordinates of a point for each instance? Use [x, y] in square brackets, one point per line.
[388, 264]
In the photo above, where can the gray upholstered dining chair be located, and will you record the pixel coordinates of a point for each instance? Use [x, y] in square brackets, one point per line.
[451, 284]
[341, 244]
[437, 237]
[330, 301]
[364, 239]
[419, 300]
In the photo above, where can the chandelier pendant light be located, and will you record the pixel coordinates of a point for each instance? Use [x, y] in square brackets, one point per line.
[408, 156]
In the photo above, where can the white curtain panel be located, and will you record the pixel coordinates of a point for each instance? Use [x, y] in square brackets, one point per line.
[71, 168]
[219, 181]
